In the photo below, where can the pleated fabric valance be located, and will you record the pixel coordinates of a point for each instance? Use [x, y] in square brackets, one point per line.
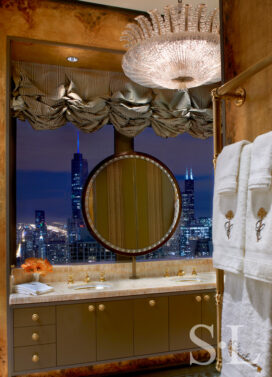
[48, 96]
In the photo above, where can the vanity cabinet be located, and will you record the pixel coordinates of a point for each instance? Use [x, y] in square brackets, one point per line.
[209, 317]
[150, 325]
[184, 313]
[34, 339]
[114, 329]
[76, 334]
[80, 333]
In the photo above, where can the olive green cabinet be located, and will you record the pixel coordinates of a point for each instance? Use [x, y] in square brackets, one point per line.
[114, 329]
[150, 325]
[34, 338]
[187, 311]
[61, 335]
[76, 334]
[209, 317]
[184, 313]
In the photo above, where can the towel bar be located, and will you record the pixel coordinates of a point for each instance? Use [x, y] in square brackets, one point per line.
[228, 91]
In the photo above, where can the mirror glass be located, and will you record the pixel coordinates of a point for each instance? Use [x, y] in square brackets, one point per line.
[131, 203]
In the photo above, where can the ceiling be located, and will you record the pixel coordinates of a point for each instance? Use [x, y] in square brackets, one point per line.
[44, 53]
[145, 5]
[91, 57]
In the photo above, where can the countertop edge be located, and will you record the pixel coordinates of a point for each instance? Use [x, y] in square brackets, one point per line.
[16, 299]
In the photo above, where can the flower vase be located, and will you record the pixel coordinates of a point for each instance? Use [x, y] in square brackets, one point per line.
[35, 276]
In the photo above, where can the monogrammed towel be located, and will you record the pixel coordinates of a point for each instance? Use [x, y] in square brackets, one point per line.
[229, 217]
[227, 168]
[246, 328]
[261, 163]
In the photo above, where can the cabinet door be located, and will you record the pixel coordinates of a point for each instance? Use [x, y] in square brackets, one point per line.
[114, 329]
[151, 325]
[209, 317]
[76, 336]
[184, 313]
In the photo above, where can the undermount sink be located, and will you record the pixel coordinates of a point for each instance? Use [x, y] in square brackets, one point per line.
[201, 277]
[94, 285]
[185, 279]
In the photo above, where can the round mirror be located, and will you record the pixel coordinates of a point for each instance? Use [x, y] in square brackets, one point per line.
[131, 203]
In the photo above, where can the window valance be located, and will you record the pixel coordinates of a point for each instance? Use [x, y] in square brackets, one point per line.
[48, 96]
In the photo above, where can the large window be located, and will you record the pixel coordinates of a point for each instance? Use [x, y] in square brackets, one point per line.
[51, 169]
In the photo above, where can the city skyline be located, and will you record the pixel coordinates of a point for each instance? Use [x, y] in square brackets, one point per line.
[72, 242]
[36, 184]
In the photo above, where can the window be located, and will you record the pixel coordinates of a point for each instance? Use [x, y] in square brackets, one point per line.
[51, 168]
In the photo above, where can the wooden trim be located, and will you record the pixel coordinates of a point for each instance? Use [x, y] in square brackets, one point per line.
[63, 44]
[84, 211]
[4, 205]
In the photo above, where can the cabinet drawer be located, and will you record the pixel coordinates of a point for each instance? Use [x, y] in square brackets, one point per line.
[28, 336]
[34, 357]
[35, 316]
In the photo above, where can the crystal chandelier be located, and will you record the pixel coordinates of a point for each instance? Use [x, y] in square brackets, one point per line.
[177, 50]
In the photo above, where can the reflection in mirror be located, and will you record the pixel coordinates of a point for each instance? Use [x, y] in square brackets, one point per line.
[131, 203]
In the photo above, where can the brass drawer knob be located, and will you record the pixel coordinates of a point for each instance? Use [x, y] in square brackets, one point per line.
[207, 298]
[35, 317]
[91, 308]
[198, 298]
[152, 303]
[35, 336]
[35, 358]
[101, 307]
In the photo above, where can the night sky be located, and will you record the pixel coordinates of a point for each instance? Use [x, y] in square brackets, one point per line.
[44, 166]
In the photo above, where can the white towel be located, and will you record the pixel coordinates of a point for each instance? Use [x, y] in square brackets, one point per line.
[248, 304]
[229, 211]
[33, 288]
[227, 168]
[258, 248]
[261, 164]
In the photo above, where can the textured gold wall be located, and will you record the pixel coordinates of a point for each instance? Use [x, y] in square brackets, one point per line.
[247, 30]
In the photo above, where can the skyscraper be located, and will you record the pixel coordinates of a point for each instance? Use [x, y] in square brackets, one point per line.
[79, 174]
[40, 234]
[188, 199]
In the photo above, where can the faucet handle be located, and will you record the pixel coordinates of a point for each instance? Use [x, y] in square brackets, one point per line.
[70, 279]
[87, 278]
[181, 272]
[194, 271]
[102, 276]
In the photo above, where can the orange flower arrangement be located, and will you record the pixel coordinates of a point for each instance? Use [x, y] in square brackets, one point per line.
[37, 265]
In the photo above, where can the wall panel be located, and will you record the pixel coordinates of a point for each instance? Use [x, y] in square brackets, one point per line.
[247, 31]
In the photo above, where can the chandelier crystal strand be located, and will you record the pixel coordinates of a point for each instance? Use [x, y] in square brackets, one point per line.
[177, 50]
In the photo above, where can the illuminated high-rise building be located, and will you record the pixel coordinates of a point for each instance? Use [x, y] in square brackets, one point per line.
[79, 174]
[40, 233]
[188, 199]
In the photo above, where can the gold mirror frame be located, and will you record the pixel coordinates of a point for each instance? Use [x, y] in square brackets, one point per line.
[87, 197]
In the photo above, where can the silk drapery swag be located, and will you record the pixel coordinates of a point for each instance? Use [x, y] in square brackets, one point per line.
[49, 96]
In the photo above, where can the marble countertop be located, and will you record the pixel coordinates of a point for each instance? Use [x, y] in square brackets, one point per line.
[119, 288]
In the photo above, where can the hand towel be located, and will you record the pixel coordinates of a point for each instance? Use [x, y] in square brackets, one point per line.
[258, 245]
[246, 328]
[229, 211]
[261, 163]
[227, 168]
[33, 288]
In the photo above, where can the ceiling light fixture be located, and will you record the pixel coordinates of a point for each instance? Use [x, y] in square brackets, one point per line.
[177, 50]
[72, 59]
